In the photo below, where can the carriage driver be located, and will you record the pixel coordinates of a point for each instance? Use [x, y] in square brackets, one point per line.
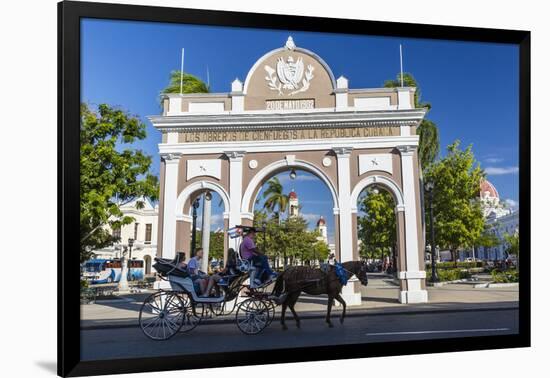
[257, 259]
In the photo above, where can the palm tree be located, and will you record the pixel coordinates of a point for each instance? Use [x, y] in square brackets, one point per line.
[191, 84]
[427, 130]
[275, 198]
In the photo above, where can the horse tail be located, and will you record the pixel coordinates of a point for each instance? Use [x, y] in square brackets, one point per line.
[279, 287]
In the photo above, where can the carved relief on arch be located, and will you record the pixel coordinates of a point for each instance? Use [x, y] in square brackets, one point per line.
[289, 73]
[367, 155]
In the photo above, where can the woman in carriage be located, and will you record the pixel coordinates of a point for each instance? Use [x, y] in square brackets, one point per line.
[230, 271]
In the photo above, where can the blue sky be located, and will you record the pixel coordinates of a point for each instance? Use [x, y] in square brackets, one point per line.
[473, 87]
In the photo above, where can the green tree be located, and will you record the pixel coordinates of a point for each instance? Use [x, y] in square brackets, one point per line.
[377, 227]
[191, 84]
[487, 239]
[268, 240]
[216, 245]
[110, 174]
[512, 245]
[428, 148]
[275, 200]
[296, 240]
[458, 217]
[289, 238]
[320, 251]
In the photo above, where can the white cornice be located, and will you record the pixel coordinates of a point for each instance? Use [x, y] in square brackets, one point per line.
[261, 120]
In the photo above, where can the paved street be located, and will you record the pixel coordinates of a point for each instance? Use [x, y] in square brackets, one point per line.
[379, 296]
[110, 328]
[224, 337]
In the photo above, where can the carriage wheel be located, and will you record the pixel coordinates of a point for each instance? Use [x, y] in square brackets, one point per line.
[272, 306]
[193, 314]
[252, 316]
[161, 315]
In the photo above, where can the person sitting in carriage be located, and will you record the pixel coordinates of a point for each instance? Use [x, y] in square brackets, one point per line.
[230, 270]
[257, 259]
[203, 282]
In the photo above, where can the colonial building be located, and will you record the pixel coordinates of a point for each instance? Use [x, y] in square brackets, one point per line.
[490, 201]
[292, 113]
[143, 230]
[499, 220]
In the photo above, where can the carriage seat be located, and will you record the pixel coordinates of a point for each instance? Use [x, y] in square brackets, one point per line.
[169, 267]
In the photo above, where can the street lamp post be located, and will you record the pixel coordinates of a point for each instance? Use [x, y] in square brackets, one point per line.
[123, 283]
[429, 187]
[196, 205]
[205, 229]
[130, 245]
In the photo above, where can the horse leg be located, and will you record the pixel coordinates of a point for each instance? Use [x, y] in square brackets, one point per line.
[343, 303]
[291, 302]
[329, 307]
[283, 310]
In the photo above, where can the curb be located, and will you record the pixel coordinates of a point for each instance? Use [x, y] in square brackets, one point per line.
[494, 284]
[443, 283]
[319, 315]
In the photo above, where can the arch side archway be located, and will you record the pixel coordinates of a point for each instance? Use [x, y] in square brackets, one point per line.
[200, 185]
[251, 193]
[389, 184]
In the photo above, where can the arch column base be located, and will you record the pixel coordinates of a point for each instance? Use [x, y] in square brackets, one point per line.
[351, 295]
[416, 292]
[413, 296]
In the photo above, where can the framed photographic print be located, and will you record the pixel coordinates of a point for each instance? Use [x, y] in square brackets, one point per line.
[257, 189]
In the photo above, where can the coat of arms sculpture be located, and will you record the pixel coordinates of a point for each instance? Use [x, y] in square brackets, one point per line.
[291, 77]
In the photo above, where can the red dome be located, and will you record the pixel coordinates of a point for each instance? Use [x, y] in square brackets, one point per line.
[487, 188]
[321, 221]
[292, 195]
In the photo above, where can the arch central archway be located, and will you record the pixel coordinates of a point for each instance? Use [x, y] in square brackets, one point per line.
[252, 190]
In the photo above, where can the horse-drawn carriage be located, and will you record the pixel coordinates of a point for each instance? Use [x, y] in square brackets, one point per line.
[179, 308]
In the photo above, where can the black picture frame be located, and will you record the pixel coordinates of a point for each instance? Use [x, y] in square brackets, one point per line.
[69, 15]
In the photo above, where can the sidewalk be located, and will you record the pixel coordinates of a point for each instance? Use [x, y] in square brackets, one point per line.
[379, 298]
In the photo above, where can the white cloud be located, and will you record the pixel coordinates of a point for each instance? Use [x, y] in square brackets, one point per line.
[285, 179]
[511, 203]
[216, 221]
[327, 202]
[310, 217]
[493, 160]
[497, 171]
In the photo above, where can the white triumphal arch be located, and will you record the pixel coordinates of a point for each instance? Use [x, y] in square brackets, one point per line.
[291, 113]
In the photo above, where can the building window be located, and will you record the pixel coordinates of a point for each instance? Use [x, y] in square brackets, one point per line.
[136, 226]
[116, 234]
[148, 230]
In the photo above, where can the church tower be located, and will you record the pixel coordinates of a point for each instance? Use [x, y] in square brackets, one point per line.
[293, 204]
[322, 228]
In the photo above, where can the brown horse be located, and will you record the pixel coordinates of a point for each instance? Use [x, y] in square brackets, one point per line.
[297, 279]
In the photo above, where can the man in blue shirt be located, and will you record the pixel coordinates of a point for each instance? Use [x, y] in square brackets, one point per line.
[200, 279]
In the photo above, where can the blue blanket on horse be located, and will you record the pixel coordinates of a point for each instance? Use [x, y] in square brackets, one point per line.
[341, 273]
